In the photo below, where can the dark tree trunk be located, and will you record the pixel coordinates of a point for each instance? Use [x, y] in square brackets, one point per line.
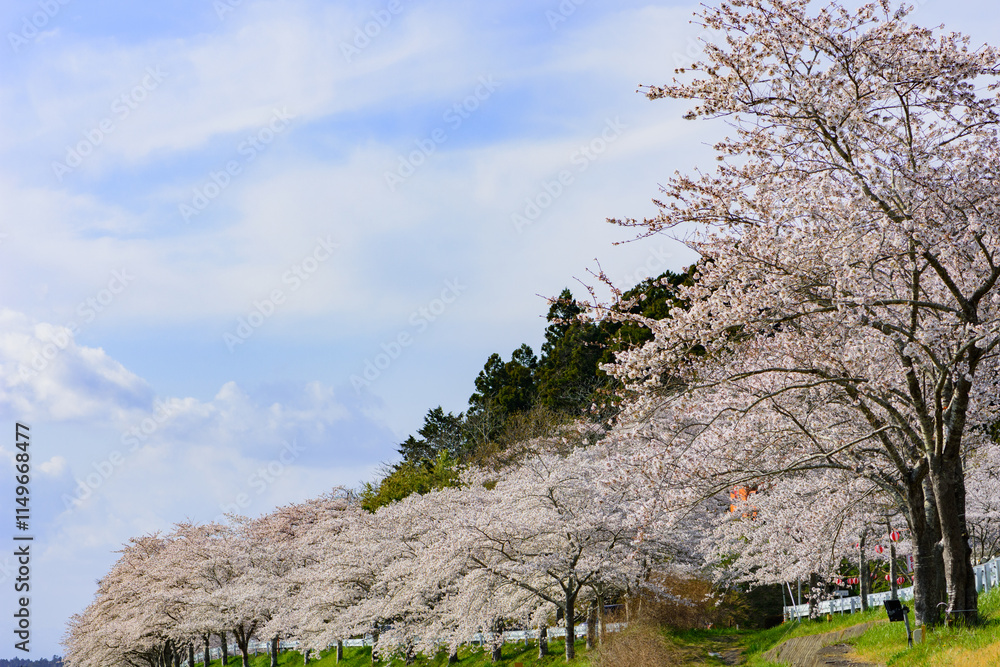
[543, 641]
[570, 612]
[922, 519]
[592, 625]
[453, 655]
[225, 649]
[340, 650]
[374, 642]
[243, 642]
[274, 652]
[496, 632]
[949, 493]
[191, 655]
[208, 649]
[813, 579]
[305, 658]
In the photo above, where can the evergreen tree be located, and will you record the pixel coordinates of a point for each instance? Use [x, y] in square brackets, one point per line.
[568, 373]
[509, 386]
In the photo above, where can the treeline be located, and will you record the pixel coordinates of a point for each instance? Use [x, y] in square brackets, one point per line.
[54, 661]
[528, 395]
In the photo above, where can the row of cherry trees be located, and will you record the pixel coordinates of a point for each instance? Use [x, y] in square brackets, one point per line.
[515, 545]
[568, 527]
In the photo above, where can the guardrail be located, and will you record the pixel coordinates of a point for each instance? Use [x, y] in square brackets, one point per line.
[987, 578]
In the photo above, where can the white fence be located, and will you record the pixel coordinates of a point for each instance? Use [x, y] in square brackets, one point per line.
[987, 578]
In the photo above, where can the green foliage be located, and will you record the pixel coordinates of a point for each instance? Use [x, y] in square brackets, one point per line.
[441, 432]
[568, 374]
[506, 386]
[527, 397]
[407, 478]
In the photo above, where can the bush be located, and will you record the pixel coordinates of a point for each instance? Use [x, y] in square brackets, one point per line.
[689, 603]
[639, 645]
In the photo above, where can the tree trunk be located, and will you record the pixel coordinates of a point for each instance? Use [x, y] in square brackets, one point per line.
[592, 625]
[570, 613]
[543, 641]
[191, 655]
[243, 642]
[949, 493]
[374, 642]
[496, 640]
[813, 579]
[453, 655]
[922, 519]
[340, 650]
[208, 649]
[305, 658]
[225, 649]
[274, 652]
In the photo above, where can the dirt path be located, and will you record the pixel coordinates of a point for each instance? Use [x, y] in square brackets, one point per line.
[820, 650]
[725, 649]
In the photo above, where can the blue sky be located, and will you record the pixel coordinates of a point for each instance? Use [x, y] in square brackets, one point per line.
[214, 216]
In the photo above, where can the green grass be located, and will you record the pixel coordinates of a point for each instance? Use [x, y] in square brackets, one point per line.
[468, 657]
[884, 643]
[979, 645]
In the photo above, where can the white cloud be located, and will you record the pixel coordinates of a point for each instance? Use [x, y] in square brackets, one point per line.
[47, 376]
[54, 467]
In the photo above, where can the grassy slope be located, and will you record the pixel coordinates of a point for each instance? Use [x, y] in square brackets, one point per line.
[884, 644]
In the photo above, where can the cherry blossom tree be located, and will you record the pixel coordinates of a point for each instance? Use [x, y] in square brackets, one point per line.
[850, 252]
[133, 617]
[226, 586]
[549, 527]
[294, 537]
[336, 572]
